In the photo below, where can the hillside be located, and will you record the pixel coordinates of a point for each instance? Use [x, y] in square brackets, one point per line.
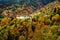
[22, 22]
[34, 3]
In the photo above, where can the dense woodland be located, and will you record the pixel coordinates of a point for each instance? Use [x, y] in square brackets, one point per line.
[30, 22]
